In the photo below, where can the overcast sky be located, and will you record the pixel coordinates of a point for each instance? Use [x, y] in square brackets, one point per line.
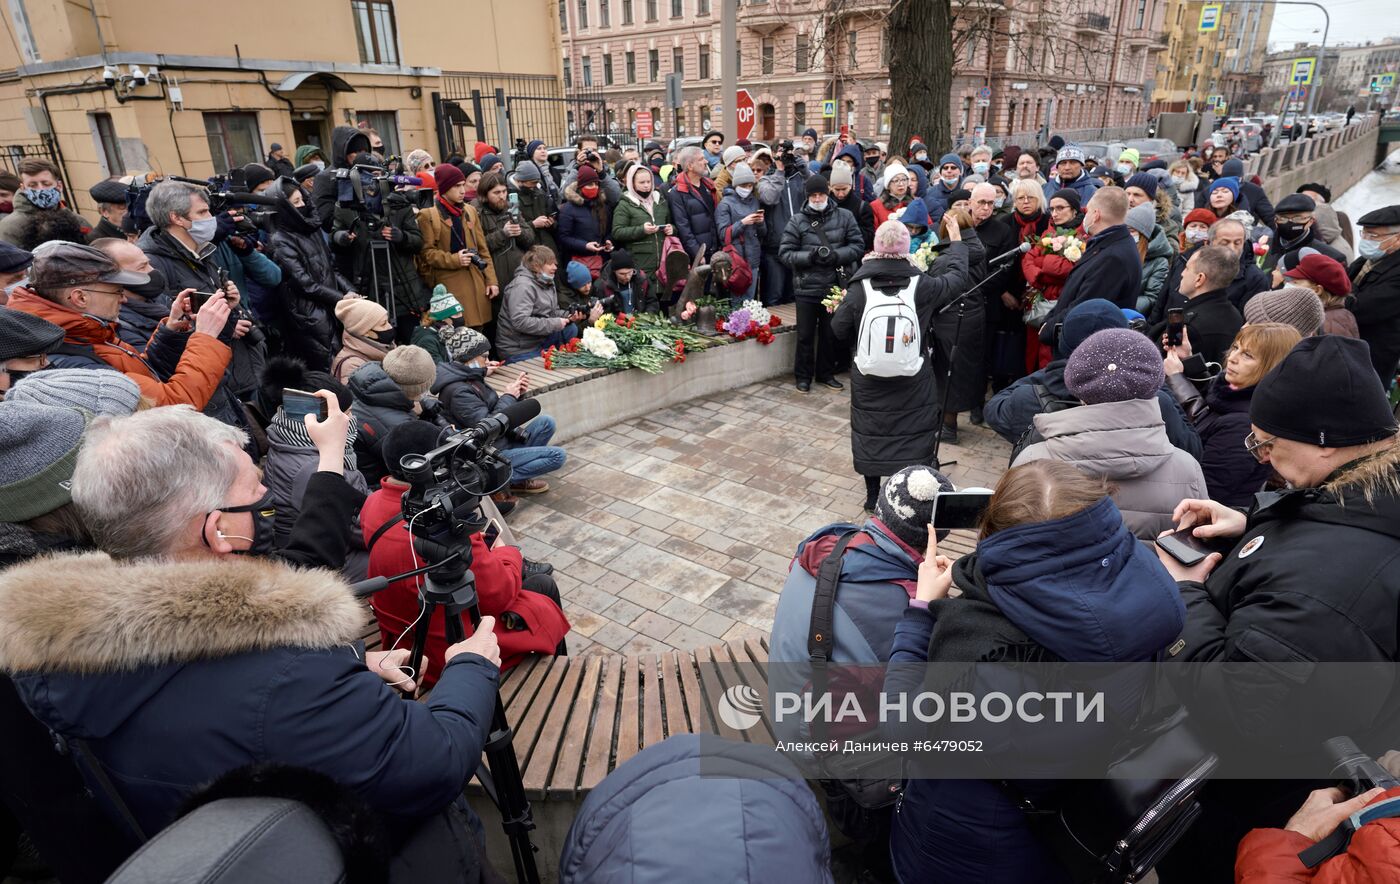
[1353, 21]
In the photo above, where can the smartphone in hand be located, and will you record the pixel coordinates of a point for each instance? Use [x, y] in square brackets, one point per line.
[297, 404]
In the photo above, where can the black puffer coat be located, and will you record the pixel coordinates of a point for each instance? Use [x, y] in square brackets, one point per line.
[813, 279]
[893, 420]
[310, 287]
[396, 270]
[379, 406]
[323, 187]
[1377, 311]
[961, 370]
[1221, 417]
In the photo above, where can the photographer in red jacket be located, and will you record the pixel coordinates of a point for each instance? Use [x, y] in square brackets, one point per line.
[526, 607]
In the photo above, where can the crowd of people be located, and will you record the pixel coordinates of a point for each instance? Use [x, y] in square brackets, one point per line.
[1165, 348]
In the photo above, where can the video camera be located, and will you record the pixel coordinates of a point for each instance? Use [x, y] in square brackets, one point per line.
[362, 187]
[1355, 769]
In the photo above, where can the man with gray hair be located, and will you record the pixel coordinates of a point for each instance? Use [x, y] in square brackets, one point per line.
[181, 651]
[693, 200]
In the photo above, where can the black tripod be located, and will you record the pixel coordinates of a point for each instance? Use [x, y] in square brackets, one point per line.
[449, 584]
[961, 303]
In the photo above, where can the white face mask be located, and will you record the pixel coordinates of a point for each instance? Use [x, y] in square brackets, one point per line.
[744, 190]
[818, 206]
[1197, 235]
[1000, 201]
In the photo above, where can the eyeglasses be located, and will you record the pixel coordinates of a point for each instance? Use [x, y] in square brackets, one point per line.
[1254, 445]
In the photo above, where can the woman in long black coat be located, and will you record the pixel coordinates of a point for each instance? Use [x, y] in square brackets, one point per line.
[311, 286]
[894, 420]
[962, 370]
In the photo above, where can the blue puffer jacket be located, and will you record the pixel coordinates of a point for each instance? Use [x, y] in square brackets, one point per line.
[658, 820]
[1079, 589]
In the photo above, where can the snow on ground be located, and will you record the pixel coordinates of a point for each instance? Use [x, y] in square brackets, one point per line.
[1377, 189]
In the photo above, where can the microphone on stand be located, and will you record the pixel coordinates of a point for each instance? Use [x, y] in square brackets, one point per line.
[1007, 256]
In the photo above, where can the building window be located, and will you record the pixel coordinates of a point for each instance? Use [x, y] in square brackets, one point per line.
[704, 117]
[704, 62]
[563, 16]
[233, 140]
[677, 8]
[799, 115]
[1216, 63]
[803, 53]
[607, 70]
[604, 14]
[568, 73]
[583, 15]
[766, 55]
[738, 59]
[971, 50]
[1011, 117]
[1141, 14]
[702, 7]
[1195, 79]
[386, 124]
[656, 119]
[850, 113]
[374, 31]
[678, 60]
[886, 112]
[653, 65]
[106, 135]
[851, 46]
[651, 10]
[631, 67]
[587, 71]
[626, 12]
[884, 47]
[1200, 53]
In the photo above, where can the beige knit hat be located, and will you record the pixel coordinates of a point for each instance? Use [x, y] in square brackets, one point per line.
[1292, 305]
[412, 368]
[362, 317]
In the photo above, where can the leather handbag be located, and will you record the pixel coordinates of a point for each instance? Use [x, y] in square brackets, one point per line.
[740, 273]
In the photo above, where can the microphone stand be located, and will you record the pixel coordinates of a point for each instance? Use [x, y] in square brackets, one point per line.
[961, 302]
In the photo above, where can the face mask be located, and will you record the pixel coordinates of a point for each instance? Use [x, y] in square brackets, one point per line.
[817, 206]
[7, 206]
[589, 191]
[1370, 249]
[950, 177]
[385, 337]
[981, 168]
[264, 539]
[744, 191]
[319, 164]
[44, 197]
[1000, 201]
[546, 278]
[872, 162]
[1124, 169]
[153, 289]
[921, 156]
[203, 230]
[1197, 235]
[1290, 230]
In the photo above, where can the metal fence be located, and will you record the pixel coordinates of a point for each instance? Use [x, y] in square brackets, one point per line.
[12, 154]
[1071, 136]
[501, 109]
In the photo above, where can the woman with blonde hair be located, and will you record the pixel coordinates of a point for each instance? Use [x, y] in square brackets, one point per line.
[1229, 458]
[1185, 183]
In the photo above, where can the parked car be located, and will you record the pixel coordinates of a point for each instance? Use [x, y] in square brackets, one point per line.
[1155, 149]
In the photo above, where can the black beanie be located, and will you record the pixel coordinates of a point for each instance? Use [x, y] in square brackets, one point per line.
[816, 184]
[622, 260]
[255, 174]
[1326, 393]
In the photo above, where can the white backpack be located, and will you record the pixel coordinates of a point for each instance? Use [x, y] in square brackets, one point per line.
[890, 344]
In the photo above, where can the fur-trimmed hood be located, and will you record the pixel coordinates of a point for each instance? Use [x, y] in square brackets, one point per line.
[572, 195]
[1370, 478]
[90, 614]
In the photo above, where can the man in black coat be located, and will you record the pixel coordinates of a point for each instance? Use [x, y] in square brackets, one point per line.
[277, 161]
[1296, 231]
[692, 203]
[847, 197]
[1211, 320]
[1111, 267]
[820, 244]
[780, 193]
[1310, 580]
[1249, 279]
[1003, 331]
[1375, 281]
[347, 143]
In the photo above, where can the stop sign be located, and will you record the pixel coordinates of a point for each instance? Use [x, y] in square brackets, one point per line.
[744, 116]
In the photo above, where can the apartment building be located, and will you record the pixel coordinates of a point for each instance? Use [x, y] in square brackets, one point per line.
[1200, 69]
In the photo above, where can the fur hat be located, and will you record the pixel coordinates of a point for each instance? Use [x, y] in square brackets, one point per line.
[361, 316]
[96, 392]
[1114, 365]
[411, 368]
[1291, 305]
[38, 451]
[905, 504]
[891, 240]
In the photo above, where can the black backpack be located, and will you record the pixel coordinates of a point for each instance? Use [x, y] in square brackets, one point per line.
[1048, 405]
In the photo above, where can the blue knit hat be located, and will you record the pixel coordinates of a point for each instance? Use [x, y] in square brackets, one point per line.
[950, 159]
[530, 148]
[577, 275]
[1230, 184]
[1086, 318]
[1144, 180]
[489, 160]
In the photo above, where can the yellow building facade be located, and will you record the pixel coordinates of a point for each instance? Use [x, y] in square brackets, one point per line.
[192, 87]
[1197, 65]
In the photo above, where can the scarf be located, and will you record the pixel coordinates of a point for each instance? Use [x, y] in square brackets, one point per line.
[453, 214]
[649, 201]
[293, 432]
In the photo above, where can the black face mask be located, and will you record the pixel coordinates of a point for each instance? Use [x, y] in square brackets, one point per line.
[264, 539]
[1288, 231]
[385, 337]
[152, 289]
[872, 162]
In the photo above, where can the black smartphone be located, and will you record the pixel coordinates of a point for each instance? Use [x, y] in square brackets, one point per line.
[1176, 322]
[957, 510]
[198, 300]
[1055, 335]
[297, 404]
[1185, 547]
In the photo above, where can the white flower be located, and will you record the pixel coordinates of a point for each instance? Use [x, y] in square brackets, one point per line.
[595, 341]
[1073, 253]
[757, 312]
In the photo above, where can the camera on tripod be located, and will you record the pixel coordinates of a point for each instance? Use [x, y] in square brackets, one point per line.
[362, 187]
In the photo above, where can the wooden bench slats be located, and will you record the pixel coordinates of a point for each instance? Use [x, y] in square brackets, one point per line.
[709, 681]
[628, 736]
[697, 712]
[603, 723]
[531, 719]
[652, 730]
[745, 671]
[578, 731]
[677, 722]
[546, 751]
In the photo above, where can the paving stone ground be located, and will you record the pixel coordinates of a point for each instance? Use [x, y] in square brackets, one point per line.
[675, 530]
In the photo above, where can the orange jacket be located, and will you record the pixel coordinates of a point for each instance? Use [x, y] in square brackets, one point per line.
[197, 376]
[1270, 856]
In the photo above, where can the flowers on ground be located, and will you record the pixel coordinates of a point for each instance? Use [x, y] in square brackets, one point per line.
[743, 323]
[646, 342]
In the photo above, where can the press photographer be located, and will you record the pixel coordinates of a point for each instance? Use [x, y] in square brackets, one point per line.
[375, 234]
[198, 657]
[455, 254]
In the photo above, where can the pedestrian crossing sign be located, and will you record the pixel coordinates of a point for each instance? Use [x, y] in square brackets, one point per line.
[1210, 17]
[829, 109]
[1301, 74]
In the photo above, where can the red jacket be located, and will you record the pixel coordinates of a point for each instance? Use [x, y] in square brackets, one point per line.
[1046, 271]
[498, 589]
[197, 376]
[1270, 856]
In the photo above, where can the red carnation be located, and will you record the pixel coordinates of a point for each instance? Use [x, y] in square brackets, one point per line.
[774, 321]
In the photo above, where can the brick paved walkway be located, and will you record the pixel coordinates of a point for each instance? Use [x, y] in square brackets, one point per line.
[675, 530]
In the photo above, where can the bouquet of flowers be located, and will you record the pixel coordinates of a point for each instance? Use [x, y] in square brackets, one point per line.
[924, 255]
[646, 342]
[751, 320]
[1063, 242]
[834, 298]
